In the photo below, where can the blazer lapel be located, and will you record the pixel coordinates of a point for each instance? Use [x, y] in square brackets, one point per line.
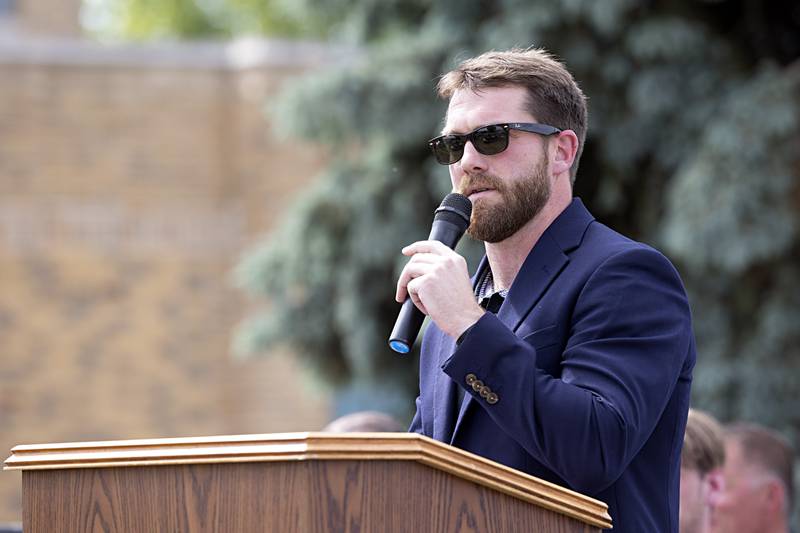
[542, 266]
[544, 263]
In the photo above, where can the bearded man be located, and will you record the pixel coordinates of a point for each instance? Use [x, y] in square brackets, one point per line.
[569, 354]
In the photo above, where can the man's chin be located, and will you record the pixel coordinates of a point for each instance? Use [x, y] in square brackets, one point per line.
[489, 234]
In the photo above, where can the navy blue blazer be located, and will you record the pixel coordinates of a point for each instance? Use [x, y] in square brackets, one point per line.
[586, 371]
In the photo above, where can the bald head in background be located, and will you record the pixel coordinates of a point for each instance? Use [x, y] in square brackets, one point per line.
[365, 421]
[759, 484]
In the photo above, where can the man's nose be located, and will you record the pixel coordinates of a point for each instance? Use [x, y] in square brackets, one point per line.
[473, 161]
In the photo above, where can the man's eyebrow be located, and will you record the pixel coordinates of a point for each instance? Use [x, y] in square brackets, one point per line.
[443, 130]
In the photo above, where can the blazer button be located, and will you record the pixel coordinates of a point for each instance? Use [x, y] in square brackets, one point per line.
[485, 391]
[492, 398]
[477, 386]
[471, 379]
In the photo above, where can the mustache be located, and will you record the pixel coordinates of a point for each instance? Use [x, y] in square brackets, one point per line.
[480, 181]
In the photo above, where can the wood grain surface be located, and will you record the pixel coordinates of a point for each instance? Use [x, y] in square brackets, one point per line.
[310, 496]
[355, 482]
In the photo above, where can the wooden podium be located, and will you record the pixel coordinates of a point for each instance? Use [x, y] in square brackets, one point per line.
[293, 482]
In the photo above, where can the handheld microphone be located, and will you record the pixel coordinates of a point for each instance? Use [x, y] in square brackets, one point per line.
[450, 221]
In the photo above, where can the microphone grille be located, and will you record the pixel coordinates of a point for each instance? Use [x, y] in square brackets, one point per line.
[455, 208]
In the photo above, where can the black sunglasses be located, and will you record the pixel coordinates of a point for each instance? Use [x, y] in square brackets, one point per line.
[487, 140]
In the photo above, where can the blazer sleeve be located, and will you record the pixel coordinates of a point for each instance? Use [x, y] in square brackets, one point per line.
[629, 336]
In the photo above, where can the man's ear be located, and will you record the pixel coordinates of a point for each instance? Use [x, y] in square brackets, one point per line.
[715, 487]
[776, 495]
[564, 150]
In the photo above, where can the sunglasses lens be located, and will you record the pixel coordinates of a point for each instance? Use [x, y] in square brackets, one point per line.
[448, 149]
[490, 140]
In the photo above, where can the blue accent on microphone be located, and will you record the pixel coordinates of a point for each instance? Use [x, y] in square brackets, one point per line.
[399, 346]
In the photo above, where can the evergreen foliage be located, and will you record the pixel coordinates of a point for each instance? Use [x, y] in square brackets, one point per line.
[694, 129]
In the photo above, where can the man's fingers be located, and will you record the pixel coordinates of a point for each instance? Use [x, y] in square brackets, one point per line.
[425, 257]
[432, 247]
[413, 269]
[412, 292]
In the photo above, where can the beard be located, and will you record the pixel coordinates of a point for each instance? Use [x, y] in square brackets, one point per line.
[522, 200]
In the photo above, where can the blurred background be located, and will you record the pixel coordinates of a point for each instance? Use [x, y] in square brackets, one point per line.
[202, 202]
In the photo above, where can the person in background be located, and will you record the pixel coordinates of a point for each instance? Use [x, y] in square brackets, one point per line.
[365, 421]
[759, 487]
[702, 458]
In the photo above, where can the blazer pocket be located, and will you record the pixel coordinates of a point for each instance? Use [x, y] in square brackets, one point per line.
[543, 338]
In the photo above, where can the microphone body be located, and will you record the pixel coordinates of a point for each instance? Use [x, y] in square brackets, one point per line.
[450, 222]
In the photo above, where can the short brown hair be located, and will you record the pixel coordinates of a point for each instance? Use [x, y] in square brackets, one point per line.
[703, 443]
[768, 450]
[554, 97]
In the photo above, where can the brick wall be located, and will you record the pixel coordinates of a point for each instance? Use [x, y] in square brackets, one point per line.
[131, 178]
[50, 17]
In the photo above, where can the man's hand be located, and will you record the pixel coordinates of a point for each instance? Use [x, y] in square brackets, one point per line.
[437, 281]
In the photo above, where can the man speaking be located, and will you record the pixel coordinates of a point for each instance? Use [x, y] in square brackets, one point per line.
[569, 353]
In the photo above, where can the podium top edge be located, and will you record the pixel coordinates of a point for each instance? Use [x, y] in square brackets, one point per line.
[308, 446]
[214, 439]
